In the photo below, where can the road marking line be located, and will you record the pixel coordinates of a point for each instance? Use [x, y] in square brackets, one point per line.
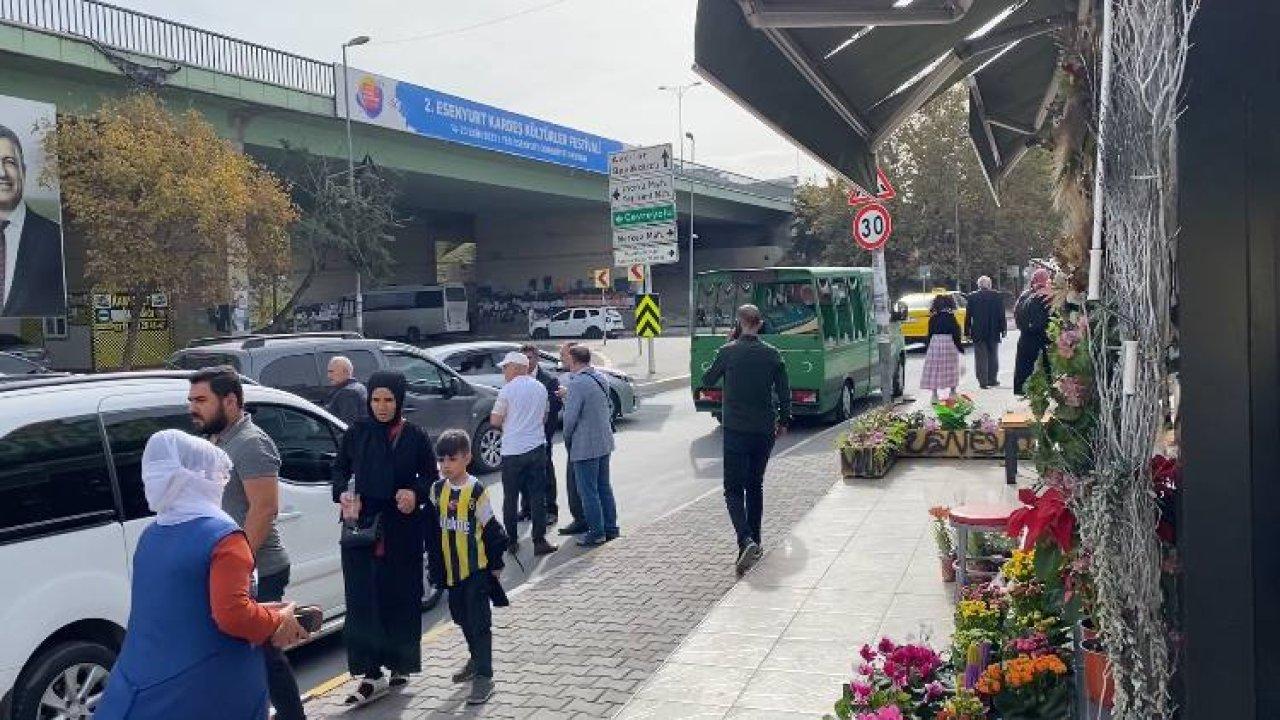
[329, 686]
[334, 683]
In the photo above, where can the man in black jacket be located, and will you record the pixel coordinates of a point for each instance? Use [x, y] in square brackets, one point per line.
[985, 324]
[756, 410]
[1031, 314]
[32, 282]
[349, 399]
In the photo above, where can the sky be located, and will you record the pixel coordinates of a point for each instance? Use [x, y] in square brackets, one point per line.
[594, 65]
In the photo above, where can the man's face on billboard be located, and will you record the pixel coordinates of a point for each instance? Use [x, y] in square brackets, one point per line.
[12, 175]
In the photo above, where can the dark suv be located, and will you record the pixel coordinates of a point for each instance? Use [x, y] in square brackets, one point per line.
[438, 399]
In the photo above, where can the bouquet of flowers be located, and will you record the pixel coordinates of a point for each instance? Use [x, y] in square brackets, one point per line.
[965, 705]
[894, 682]
[953, 412]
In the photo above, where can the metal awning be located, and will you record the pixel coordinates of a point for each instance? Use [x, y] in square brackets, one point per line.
[837, 77]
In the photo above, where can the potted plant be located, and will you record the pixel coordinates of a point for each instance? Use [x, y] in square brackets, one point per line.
[964, 705]
[942, 538]
[894, 682]
[1027, 688]
[870, 447]
[1098, 685]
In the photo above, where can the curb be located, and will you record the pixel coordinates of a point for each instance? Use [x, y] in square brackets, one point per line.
[648, 389]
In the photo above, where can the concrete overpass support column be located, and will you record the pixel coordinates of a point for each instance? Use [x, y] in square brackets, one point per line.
[237, 253]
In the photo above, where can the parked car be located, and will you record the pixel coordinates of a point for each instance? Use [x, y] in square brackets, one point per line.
[592, 323]
[478, 363]
[12, 365]
[915, 328]
[438, 399]
[16, 345]
[72, 508]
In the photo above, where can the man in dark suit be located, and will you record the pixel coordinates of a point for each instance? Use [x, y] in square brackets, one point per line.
[31, 275]
[985, 323]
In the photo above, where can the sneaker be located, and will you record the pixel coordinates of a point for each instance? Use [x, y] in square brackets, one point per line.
[542, 547]
[591, 541]
[367, 691]
[610, 537]
[577, 527]
[748, 557]
[398, 680]
[467, 672]
[481, 690]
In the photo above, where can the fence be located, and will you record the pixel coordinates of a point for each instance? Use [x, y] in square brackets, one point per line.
[144, 34]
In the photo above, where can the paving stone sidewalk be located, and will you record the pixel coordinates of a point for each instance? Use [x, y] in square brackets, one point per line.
[579, 642]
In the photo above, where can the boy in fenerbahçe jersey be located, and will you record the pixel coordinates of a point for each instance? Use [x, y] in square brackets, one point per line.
[465, 544]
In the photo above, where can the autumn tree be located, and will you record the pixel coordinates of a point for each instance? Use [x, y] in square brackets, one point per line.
[941, 190]
[165, 204]
[336, 223]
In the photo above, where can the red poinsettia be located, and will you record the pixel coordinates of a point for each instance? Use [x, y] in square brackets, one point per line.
[1164, 479]
[1044, 514]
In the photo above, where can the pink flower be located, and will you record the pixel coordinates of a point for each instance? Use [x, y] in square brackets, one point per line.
[988, 424]
[1074, 390]
[931, 424]
[865, 669]
[867, 653]
[861, 691]
[934, 690]
[886, 645]
[1067, 341]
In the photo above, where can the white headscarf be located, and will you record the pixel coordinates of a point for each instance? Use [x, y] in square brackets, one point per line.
[183, 477]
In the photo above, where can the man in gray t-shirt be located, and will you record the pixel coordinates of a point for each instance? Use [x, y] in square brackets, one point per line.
[252, 499]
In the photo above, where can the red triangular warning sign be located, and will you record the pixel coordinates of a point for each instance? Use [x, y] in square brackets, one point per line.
[884, 191]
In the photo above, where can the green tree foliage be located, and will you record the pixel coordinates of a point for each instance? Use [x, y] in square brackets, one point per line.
[931, 163]
[336, 224]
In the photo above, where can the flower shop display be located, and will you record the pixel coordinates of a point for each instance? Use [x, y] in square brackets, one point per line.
[1027, 688]
[894, 681]
[871, 446]
[951, 432]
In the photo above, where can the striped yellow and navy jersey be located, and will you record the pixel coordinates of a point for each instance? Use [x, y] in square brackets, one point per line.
[469, 538]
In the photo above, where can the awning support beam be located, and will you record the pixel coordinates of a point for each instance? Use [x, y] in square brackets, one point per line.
[762, 14]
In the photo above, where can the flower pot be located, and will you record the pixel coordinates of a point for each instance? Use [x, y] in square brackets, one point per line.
[948, 565]
[1098, 684]
[865, 462]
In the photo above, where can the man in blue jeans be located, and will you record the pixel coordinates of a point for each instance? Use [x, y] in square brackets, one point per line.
[756, 410]
[588, 432]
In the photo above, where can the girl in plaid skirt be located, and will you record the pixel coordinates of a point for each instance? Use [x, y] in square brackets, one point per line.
[942, 361]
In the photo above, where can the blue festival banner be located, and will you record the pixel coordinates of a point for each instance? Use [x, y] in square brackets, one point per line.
[402, 106]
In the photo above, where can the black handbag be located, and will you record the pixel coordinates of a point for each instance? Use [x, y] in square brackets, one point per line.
[355, 536]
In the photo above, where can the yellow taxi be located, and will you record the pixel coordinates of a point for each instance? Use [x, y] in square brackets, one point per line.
[916, 327]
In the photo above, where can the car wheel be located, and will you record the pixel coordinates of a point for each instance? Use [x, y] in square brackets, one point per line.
[593, 333]
[900, 376]
[541, 334]
[488, 449]
[67, 680]
[413, 335]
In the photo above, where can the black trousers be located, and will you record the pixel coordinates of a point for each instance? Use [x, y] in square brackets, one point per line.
[552, 491]
[1030, 347]
[571, 488]
[986, 355]
[469, 608]
[746, 456]
[281, 684]
[525, 474]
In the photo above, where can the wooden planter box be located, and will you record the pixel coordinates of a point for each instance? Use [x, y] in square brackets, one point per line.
[859, 463]
[953, 444]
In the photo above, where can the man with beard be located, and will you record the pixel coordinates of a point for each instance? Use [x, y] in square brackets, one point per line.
[31, 275]
[252, 499]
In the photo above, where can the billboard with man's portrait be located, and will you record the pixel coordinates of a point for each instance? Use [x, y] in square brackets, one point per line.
[32, 274]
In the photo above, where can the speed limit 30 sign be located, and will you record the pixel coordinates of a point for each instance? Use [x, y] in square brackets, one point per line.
[872, 226]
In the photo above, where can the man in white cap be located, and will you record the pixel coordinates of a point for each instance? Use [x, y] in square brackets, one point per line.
[520, 411]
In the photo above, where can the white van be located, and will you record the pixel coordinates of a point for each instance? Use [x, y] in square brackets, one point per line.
[411, 311]
[72, 509]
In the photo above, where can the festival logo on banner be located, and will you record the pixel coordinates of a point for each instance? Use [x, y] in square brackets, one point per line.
[369, 96]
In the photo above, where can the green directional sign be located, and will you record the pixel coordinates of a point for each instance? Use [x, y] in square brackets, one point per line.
[644, 215]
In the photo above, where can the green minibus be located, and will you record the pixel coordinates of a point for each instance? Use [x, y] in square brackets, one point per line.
[820, 318]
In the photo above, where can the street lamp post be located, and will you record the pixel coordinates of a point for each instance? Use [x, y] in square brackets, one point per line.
[693, 152]
[351, 169]
[680, 90]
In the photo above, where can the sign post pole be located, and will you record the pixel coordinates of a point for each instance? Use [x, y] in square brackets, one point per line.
[880, 300]
[648, 290]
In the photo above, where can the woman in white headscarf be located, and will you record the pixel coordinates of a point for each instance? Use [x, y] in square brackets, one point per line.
[192, 649]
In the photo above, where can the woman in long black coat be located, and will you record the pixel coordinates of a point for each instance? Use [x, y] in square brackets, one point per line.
[393, 466]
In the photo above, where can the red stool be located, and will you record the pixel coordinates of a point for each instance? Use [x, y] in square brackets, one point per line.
[978, 517]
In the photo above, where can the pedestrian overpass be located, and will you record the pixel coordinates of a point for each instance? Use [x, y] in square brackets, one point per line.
[533, 224]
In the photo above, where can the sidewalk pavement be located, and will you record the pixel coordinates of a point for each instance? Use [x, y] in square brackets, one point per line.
[577, 642]
[860, 565]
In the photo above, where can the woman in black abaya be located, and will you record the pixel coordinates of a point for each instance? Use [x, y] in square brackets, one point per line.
[384, 470]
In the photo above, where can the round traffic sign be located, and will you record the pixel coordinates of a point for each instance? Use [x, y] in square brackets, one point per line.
[872, 226]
